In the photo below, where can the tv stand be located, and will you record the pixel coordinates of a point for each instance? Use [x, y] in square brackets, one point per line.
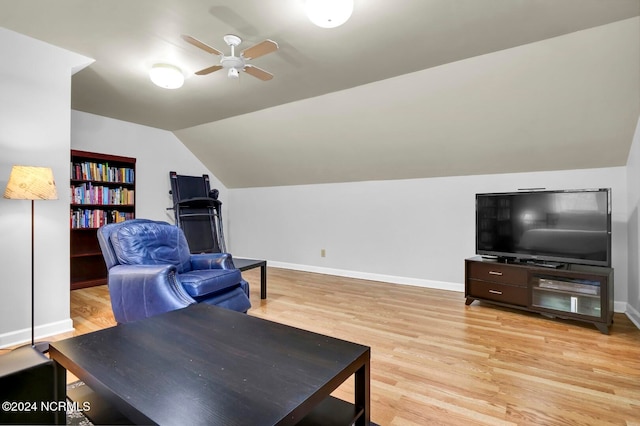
[577, 292]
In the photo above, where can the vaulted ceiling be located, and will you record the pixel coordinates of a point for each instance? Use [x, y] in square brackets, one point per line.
[404, 89]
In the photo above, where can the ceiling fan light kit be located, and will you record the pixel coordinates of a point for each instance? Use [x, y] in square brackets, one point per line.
[329, 13]
[233, 74]
[166, 76]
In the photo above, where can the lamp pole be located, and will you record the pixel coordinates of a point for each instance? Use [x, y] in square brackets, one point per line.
[33, 315]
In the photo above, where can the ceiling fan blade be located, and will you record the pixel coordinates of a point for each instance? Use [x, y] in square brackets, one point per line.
[258, 72]
[197, 43]
[209, 70]
[260, 49]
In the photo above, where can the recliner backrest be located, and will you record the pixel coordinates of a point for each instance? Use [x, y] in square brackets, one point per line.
[151, 243]
[104, 239]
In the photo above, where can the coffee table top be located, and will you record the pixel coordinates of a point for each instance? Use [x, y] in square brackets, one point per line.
[208, 365]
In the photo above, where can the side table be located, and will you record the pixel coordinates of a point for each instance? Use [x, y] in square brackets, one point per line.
[246, 264]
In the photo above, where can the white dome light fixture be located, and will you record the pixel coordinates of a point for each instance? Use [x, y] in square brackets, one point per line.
[166, 76]
[329, 13]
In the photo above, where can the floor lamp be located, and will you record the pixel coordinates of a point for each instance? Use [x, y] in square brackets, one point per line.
[31, 183]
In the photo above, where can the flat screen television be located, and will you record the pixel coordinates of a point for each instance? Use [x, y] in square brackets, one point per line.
[549, 227]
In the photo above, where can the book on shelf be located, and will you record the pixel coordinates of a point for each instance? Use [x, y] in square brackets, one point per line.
[86, 218]
[90, 194]
[101, 172]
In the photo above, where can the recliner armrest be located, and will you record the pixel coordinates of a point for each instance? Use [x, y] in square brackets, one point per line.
[141, 291]
[212, 261]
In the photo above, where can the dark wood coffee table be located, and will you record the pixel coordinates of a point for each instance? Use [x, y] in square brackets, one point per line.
[208, 365]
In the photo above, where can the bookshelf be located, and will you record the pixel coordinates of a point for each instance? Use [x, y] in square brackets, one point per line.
[101, 191]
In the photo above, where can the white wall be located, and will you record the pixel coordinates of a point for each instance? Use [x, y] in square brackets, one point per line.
[157, 153]
[407, 231]
[35, 87]
[633, 178]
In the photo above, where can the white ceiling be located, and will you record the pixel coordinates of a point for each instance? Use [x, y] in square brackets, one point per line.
[436, 87]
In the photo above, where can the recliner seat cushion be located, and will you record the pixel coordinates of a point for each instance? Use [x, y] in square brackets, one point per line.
[203, 282]
[151, 244]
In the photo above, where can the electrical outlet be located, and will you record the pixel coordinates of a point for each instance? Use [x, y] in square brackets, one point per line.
[323, 253]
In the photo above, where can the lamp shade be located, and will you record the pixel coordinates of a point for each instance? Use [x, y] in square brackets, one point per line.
[31, 183]
[166, 76]
[329, 13]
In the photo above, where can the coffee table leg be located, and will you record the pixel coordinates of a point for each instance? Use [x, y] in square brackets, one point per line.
[362, 394]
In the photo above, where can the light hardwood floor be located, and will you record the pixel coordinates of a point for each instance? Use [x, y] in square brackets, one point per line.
[436, 361]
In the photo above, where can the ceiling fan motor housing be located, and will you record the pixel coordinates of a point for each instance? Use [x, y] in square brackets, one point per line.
[232, 62]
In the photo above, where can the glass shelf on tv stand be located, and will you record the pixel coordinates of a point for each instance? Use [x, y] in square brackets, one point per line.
[566, 295]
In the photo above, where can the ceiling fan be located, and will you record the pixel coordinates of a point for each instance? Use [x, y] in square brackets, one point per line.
[232, 63]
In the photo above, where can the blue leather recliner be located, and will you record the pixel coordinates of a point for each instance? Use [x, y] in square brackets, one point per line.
[151, 271]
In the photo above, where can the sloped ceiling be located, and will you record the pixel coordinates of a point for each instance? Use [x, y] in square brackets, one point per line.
[404, 89]
[567, 103]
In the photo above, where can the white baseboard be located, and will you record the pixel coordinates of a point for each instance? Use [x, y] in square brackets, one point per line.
[632, 314]
[18, 337]
[441, 285]
[620, 307]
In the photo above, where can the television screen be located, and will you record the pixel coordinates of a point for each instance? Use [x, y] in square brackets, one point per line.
[558, 226]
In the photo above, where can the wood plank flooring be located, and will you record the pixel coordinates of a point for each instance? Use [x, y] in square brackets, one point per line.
[436, 361]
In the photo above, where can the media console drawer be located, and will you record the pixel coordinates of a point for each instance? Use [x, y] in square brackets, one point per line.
[497, 272]
[510, 294]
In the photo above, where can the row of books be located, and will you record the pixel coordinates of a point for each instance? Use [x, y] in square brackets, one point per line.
[96, 218]
[102, 172]
[89, 194]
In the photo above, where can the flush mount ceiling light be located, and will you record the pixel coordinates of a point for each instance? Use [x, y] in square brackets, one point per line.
[166, 76]
[329, 13]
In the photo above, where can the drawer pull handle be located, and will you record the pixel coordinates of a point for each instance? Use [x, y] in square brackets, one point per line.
[495, 292]
[498, 273]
